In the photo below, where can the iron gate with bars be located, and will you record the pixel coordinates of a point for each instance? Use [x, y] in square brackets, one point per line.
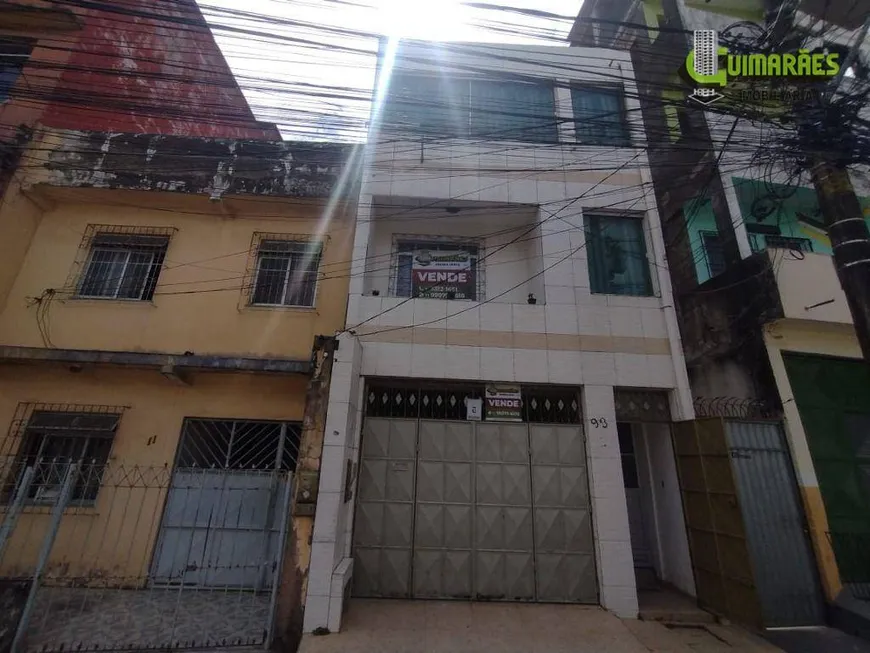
[473, 510]
[99, 554]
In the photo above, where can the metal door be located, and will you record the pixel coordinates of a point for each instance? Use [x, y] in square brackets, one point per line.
[488, 511]
[776, 534]
[221, 523]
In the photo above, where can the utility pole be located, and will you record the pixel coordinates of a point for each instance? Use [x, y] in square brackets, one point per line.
[847, 229]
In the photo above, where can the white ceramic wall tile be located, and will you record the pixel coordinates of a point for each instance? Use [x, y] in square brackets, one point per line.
[332, 468]
[523, 191]
[598, 367]
[621, 601]
[653, 321]
[320, 570]
[632, 370]
[560, 295]
[550, 191]
[530, 366]
[463, 315]
[612, 560]
[336, 429]
[463, 363]
[661, 372]
[428, 310]
[369, 310]
[325, 526]
[611, 525]
[393, 359]
[493, 189]
[626, 322]
[528, 319]
[561, 319]
[316, 612]
[564, 367]
[341, 380]
[496, 364]
[465, 186]
[429, 361]
[593, 320]
[396, 311]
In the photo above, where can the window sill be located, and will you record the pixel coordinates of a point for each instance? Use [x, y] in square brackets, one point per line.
[279, 307]
[118, 301]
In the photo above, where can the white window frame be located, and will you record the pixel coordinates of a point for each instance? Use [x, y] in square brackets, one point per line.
[286, 283]
[118, 281]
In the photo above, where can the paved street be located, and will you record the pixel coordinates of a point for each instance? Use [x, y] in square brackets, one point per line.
[383, 626]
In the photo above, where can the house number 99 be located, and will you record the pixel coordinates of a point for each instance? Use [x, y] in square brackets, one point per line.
[598, 422]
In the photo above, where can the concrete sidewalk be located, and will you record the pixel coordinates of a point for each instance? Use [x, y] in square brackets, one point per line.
[386, 626]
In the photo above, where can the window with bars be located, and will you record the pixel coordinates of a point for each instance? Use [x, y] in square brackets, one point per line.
[239, 445]
[618, 262]
[123, 266]
[599, 116]
[286, 273]
[714, 252]
[51, 441]
[472, 108]
[416, 258]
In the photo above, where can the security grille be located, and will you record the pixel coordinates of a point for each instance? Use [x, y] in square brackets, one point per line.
[540, 404]
[123, 266]
[241, 445]
[642, 406]
[286, 273]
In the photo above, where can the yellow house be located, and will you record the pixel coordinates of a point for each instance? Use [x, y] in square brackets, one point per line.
[168, 308]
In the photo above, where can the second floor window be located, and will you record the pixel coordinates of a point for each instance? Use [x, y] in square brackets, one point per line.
[437, 270]
[617, 256]
[123, 266]
[599, 116]
[286, 273]
[472, 108]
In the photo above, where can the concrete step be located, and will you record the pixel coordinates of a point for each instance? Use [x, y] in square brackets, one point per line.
[672, 608]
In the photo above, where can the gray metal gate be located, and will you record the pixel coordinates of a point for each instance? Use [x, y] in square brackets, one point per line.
[465, 510]
[776, 534]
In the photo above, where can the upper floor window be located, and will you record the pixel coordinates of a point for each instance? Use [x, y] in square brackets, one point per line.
[472, 108]
[599, 116]
[123, 266]
[286, 273]
[617, 255]
[14, 53]
[437, 270]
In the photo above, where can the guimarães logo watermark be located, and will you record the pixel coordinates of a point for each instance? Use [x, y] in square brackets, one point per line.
[704, 67]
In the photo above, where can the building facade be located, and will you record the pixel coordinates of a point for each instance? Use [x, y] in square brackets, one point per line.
[163, 348]
[766, 328]
[502, 395]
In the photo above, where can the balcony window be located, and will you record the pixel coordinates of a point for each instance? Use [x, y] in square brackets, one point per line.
[123, 266]
[617, 256]
[463, 108]
[759, 242]
[286, 273]
[14, 54]
[599, 116]
[438, 270]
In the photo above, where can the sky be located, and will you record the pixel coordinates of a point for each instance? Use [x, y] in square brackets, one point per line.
[308, 65]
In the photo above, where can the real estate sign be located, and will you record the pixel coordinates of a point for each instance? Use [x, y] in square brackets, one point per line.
[504, 403]
[443, 275]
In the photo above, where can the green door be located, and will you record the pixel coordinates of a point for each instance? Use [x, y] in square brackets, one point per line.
[833, 399]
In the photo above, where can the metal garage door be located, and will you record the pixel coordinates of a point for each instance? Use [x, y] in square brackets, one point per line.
[466, 510]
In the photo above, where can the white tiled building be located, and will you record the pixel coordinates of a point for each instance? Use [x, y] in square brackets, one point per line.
[521, 170]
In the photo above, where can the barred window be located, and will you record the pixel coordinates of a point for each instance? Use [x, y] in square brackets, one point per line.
[53, 440]
[286, 273]
[123, 266]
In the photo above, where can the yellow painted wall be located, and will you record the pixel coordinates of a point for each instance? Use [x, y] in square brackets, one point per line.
[113, 540]
[825, 340]
[19, 220]
[199, 304]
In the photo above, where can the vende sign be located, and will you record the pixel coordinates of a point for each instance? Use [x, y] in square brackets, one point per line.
[423, 276]
[443, 275]
[503, 403]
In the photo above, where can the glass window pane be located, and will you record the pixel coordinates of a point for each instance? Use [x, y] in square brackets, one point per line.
[513, 111]
[105, 271]
[598, 116]
[271, 276]
[302, 282]
[136, 275]
[427, 106]
[617, 256]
